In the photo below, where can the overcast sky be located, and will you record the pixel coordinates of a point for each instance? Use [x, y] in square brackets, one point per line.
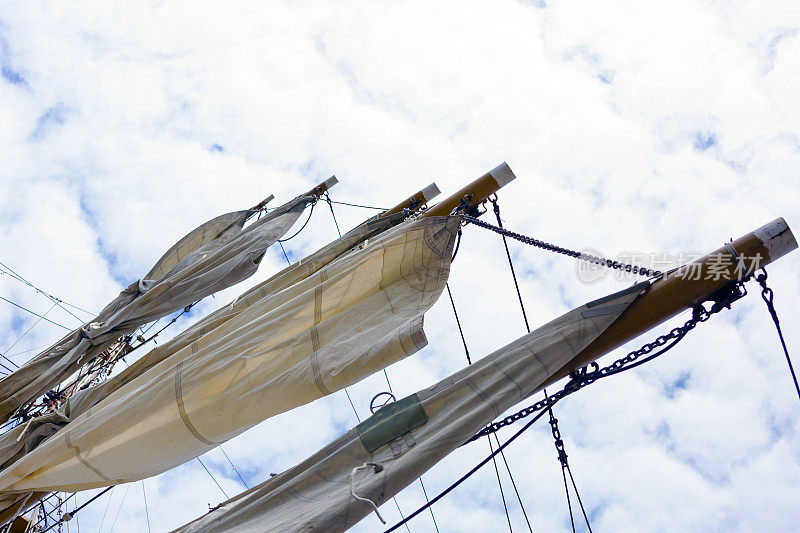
[633, 127]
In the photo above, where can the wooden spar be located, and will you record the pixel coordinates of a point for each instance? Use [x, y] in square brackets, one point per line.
[475, 193]
[688, 285]
[415, 200]
[262, 203]
[323, 187]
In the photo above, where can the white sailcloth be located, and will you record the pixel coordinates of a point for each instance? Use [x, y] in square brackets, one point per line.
[281, 345]
[25, 438]
[214, 256]
[414, 435]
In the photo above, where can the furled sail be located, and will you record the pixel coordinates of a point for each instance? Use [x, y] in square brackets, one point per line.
[212, 257]
[318, 326]
[408, 437]
[23, 439]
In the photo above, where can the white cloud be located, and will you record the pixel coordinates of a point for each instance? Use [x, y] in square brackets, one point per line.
[632, 127]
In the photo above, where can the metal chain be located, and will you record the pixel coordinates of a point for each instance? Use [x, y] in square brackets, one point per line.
[641, 271]
[583, 376]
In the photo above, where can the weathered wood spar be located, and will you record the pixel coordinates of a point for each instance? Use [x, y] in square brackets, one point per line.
[687, 286]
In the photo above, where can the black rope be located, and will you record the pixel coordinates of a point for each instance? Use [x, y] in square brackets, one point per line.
[168, 324]
[303, 227]
[458, 323]
[499, 483]
[582, 379]
[578, 495]
[510, 263]
[75, 511]
[469, 362]
[496, 208]
[513, 484]
[466, 476]
[565, 468]
[284, 252]
[328, 199]
[767, 295]
[458, 245]
[641, 271]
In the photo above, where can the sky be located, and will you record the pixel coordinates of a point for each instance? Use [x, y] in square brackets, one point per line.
[634, 129]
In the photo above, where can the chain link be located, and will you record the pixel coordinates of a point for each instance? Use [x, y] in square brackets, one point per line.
[584, 376]
[641, 271]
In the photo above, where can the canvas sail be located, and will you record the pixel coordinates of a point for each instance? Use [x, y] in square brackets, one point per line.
[212, 257]
[315, 495]
[23, 439]
[291, 342]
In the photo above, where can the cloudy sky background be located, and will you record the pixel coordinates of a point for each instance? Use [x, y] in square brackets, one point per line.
[632, 127]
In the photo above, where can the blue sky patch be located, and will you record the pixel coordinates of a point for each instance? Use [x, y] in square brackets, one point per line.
[671, 390]
[54, 116]
[8, 73]
[12, 76]
[606, 77]
[703, 140]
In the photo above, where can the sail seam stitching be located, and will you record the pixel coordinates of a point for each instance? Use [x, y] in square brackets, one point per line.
[182, 407]
[315, 343]
[84, 462]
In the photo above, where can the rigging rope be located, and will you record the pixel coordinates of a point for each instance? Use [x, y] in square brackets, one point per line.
[146, 510]
[125, 495]
[359, 205]
[467, 475]
[23, 335]
[641, 271]
[284, 252]
[496, 208]
[500, 484]
[559, 444]
[58, 301]
[355, 412]
[469, 362]
[311, 212]
[562, 458]
[328, 199]
[458, 323]
[234, 467]
[582, 378]
[215, 479]
[35, 314]
[514, 484]
[108, 504]
[767, 295]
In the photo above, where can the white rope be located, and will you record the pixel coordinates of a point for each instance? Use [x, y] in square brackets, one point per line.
[377, 468]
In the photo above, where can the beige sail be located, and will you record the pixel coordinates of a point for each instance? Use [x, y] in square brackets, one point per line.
[24, 438]
[410, 436]
[212, 257]
[283, 344]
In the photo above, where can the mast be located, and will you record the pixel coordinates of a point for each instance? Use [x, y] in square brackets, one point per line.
[688, 285]
[323, 187]
[471, 195]
[415, 200]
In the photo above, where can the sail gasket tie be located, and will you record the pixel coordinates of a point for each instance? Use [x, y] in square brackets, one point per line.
[377, 467]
